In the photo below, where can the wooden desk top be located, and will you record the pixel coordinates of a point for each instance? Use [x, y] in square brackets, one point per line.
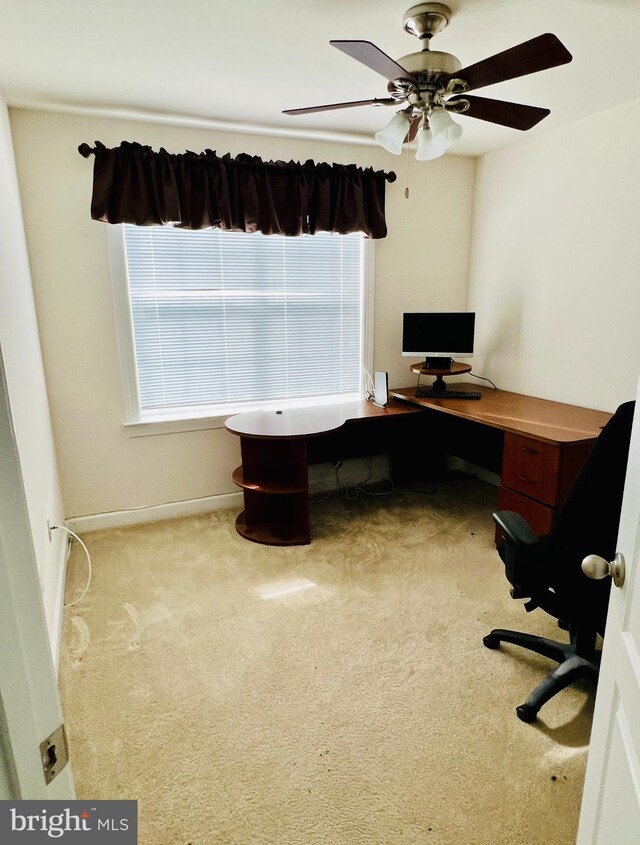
[553, 422]
[295, 423]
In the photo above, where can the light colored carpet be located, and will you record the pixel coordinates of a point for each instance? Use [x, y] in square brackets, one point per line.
[337, 693]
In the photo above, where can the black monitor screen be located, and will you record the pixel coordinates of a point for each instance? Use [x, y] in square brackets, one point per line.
[438, 333]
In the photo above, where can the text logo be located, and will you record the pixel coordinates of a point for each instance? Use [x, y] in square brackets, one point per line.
[33, 822]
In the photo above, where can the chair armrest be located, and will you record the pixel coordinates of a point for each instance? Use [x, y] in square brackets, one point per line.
[525, 555]
[516, 528]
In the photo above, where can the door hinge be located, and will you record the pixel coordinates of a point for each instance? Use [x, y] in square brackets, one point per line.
[54, 752]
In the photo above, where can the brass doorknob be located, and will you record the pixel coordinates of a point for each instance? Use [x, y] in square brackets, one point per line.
[597, 567]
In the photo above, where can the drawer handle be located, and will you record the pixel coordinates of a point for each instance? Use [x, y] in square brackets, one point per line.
[526, 480]
[530, 450]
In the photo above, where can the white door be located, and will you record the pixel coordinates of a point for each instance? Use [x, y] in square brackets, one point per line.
[29, 703]
[611, 801]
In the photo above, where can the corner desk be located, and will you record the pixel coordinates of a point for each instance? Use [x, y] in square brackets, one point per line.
[536, 446]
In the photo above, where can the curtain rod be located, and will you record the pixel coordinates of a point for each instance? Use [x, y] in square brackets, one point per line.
[85, 151]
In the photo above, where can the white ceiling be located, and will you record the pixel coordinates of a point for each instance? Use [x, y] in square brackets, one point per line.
[244, 62]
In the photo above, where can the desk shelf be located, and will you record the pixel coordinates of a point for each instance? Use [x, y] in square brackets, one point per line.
[266, 486]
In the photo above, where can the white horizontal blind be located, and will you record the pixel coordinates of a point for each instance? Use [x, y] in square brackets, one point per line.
[221, 318]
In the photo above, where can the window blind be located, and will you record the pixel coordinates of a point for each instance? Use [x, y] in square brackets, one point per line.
[221, 318]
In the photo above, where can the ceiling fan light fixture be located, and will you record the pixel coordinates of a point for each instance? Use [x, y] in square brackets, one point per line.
[393, 135]
[430, 146]
[434, 83]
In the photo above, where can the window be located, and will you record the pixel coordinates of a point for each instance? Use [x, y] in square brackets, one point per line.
[214, 322]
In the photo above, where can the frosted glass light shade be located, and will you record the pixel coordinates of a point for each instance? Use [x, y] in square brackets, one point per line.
[429, 145]
[435, 139]
[393, 135]
[443, 126]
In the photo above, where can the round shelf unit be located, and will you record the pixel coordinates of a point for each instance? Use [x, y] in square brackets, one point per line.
[439, 385]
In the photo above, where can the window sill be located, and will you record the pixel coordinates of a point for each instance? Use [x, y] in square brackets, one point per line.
[175, 425]
[149, 428]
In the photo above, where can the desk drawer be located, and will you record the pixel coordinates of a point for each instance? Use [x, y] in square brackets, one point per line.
[531, 467]
[539, 516]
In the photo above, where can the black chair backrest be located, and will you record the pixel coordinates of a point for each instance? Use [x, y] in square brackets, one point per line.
[588, 521]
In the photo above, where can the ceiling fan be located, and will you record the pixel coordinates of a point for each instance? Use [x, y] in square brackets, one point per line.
[430, 84]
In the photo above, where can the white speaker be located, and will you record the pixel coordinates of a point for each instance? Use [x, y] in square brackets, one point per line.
[381, 389]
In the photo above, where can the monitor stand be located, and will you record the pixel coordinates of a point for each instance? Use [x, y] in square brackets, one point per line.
[439, 385]
[431, 368]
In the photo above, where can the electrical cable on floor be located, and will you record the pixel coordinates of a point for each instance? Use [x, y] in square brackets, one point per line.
[86, 551]
[360, 484]
[353, 489]
[350, 490]
[327, 491]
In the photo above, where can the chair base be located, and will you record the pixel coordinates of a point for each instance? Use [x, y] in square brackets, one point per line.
[571, 666]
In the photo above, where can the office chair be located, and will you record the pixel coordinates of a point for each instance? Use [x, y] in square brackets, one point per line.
[547, 570]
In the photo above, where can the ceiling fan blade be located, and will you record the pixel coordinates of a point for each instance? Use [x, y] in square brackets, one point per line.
[373, 57]
[413, 130]
[539, 53]
[515, 115]
[386, 101]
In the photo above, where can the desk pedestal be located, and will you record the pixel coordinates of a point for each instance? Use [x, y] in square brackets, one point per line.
[537, 475]
[275, 481]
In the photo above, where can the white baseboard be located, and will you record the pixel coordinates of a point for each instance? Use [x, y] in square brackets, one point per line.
[155, 513]
[352, 471]
[322, 475]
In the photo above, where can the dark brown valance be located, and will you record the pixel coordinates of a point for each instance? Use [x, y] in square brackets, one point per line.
[134, 184]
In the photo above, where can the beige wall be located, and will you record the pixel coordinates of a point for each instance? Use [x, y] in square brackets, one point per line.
[421, 265]
[555, 257]
[20, 351]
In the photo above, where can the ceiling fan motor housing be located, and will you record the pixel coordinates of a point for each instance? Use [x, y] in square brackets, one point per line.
[427, 66]
[430, 64]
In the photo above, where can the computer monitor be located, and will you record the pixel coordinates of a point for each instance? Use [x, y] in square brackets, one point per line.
[438, 336]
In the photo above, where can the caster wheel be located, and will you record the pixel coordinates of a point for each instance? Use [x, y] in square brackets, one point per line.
[491, 641]
[526, 713]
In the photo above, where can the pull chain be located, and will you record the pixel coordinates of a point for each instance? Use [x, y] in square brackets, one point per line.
[406, 190]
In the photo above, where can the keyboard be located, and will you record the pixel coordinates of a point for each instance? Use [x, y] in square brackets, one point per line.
[423, 392]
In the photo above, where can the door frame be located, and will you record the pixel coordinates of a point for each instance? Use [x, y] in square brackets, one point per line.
[29, 702]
